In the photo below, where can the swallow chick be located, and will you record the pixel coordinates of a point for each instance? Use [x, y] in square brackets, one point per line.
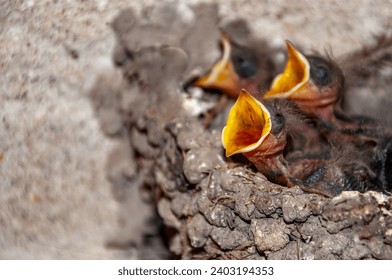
[262, 133]
[240, 67]
[316, 85]
[312, 82]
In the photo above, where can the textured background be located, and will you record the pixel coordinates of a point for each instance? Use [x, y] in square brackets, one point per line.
[55, 201]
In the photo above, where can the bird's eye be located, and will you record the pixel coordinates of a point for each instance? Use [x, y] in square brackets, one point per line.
[320, 71]
[244, 63]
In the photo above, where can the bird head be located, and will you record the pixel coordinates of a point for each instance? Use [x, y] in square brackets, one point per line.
[253, 129]
[312, 82]
[239, 68]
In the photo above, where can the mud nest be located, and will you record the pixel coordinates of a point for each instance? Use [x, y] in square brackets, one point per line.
[170, 173]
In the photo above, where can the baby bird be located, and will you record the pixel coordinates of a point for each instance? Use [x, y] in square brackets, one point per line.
[316, 85]
[266, 134]
[241, 67]
[313, 83]
[262, 133]
[260, 136]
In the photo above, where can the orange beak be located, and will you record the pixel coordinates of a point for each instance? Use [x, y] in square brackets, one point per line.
[222, 76]
[248, 124]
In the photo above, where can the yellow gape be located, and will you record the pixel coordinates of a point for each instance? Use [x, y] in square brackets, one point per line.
[221, 76]
[295, 75]
[248, 124]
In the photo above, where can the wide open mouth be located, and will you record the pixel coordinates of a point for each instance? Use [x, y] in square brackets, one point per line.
[295, 75]
[222, 75]
[248, 124]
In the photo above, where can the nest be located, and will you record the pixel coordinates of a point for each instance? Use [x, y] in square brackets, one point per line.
[211, 207]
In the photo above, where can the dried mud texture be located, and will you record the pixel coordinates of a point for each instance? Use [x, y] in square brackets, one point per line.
[209, 206]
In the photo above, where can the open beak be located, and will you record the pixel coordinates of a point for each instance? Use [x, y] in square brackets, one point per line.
[222, 75]
[248, 124]
[294, 79]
